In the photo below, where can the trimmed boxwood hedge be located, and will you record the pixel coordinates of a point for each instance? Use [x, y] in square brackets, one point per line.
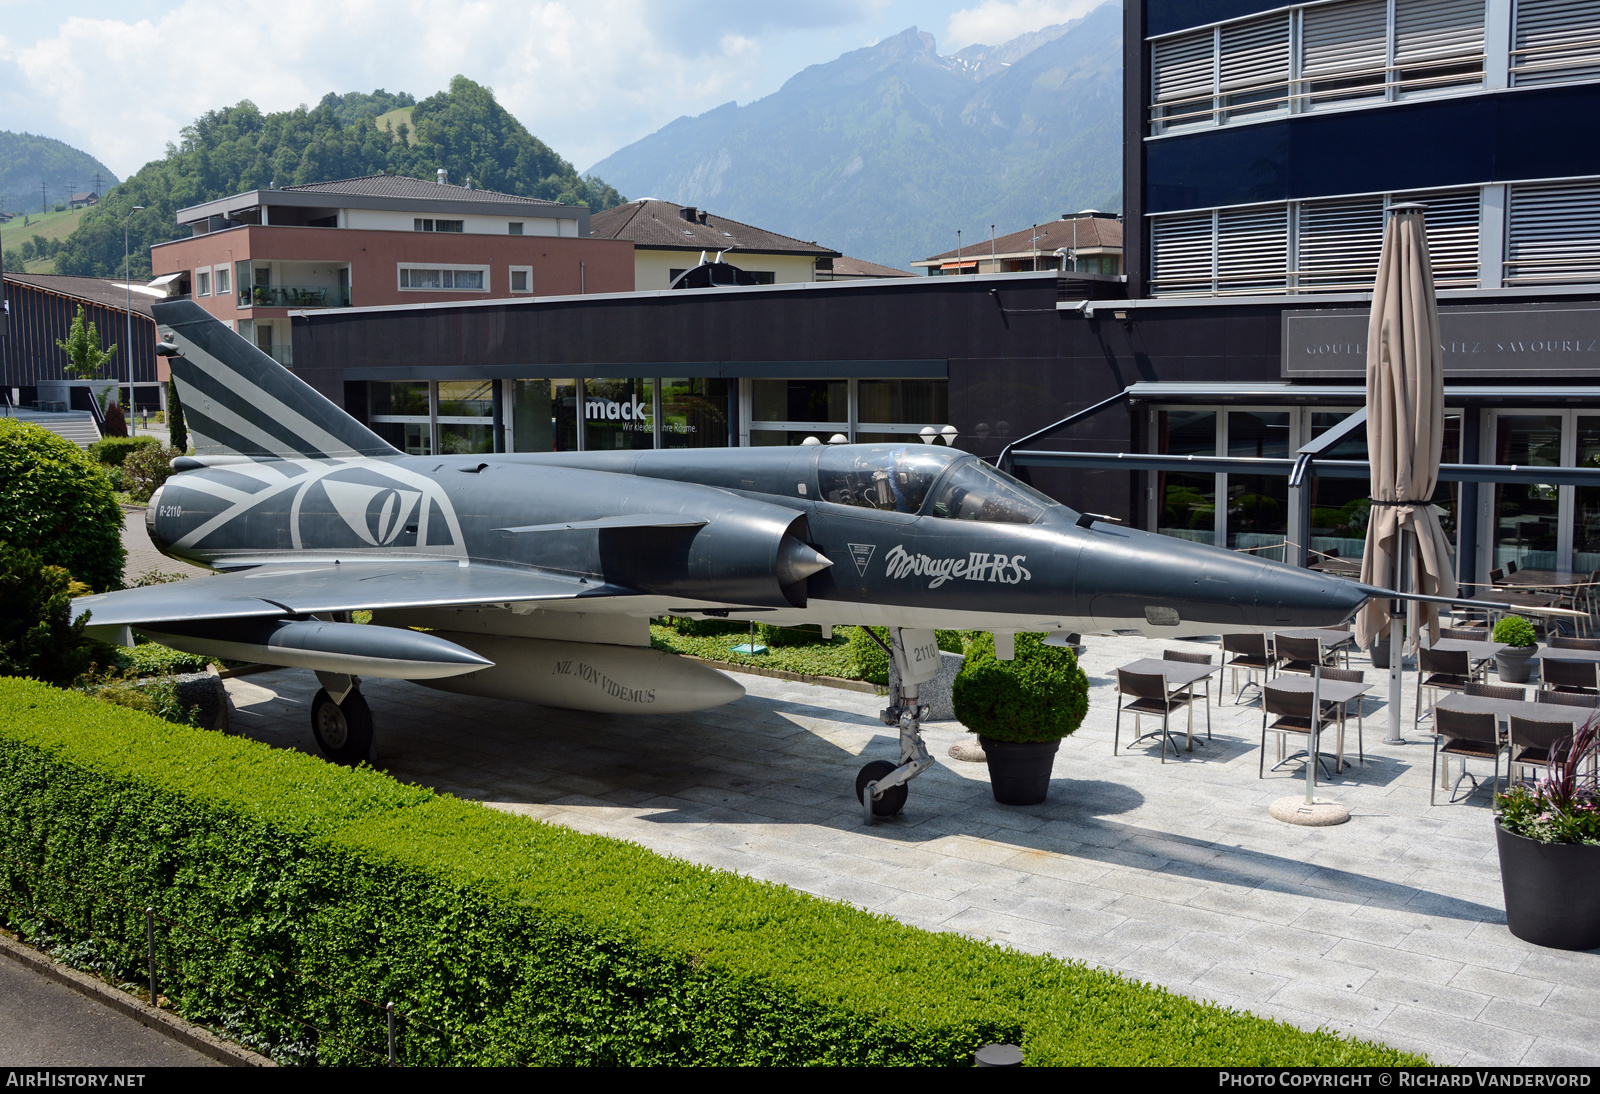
[304, 888]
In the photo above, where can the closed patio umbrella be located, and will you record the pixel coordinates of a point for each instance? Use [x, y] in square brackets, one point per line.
[1405, 437]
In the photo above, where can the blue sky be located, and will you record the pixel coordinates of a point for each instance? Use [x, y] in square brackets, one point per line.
[120, 80]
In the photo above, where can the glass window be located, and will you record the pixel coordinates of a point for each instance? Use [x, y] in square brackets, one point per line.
[449, 225]
[203, 283]
[519, 280]
[618, 414]
[1340, 508]
[1586, 517]
[894, 479]
[544, 416]
[694, 413]
[456, 439]
[412, 438]
[800, 401]
[1526, 515]
[768, 438]
[466, 398]
[402, 398]
[976, 491]
[514, 227]
[1258, 505]
[921, 402]
[223, 281]
[1188, 502]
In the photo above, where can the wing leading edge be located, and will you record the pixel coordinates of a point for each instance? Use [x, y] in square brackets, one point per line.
[314, 588]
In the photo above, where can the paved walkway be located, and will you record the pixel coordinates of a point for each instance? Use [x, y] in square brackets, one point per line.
[142, 554]
[1390, 927]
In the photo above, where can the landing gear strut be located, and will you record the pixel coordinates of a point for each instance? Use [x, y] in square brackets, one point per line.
[341, 721]
[880, 785]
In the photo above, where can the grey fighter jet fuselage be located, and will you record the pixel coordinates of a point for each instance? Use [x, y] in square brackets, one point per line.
[534, 576]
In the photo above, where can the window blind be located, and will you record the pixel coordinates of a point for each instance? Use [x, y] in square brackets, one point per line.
[1452, 222]
[1253, 249]
[1253, 67]
[1438, 44]
[1555, 40]
[1339, 243]
[1183, 77]
[1344, 51]
[1553, 233]
[1183, 254]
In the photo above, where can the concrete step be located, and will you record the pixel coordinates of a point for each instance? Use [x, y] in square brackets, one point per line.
[76, 426]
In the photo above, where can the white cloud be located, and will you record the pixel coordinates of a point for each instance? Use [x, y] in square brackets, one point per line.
[995, 21]
[585, 77]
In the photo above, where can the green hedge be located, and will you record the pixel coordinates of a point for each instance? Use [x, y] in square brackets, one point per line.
[113, 450]
[523, 942]
[872, 664]
[1039, 695]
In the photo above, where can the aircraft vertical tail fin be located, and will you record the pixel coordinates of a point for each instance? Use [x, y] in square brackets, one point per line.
[239, 401]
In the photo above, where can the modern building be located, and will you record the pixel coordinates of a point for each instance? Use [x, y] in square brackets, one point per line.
[381, 239]
[1264, 143]
[669, 238]
[40, 309]
[1086, 242]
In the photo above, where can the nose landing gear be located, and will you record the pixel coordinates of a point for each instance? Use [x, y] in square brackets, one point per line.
[880, 785]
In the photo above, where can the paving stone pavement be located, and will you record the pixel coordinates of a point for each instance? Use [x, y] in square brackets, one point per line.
[1390, 927]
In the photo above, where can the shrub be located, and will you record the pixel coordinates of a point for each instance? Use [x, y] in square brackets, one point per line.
[153, 659]
[55, 503]
[146, 469]
[113, 450]
[37, 635]
[872, 664]
[1513, 630]
[773, 635]
[704, 628]
[116, 423]
[1042, 695]
[177, 429]
[292, 891]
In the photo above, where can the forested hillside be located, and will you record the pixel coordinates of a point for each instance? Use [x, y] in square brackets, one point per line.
[27, 160]
[239, 148]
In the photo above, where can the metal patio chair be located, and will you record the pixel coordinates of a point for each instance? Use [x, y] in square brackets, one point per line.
[1558, 674]
[1440, 670]
[1250, 656]
[1191, 658]
[1469, 736]
[1296, 655]
[1151, 697]
[1532, 742]
[1562, 642]
[1293, 712]
[1496, 691]
[1350, 676]
[1569, 699]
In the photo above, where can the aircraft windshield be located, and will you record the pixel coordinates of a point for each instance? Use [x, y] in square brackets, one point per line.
[888, 477]
[976, 491]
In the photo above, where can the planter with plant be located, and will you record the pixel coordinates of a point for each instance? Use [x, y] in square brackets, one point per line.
[1520, 640]
[1548, 835]
[1020, 710]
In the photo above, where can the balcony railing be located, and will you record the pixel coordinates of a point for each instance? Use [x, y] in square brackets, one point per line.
[294, 296]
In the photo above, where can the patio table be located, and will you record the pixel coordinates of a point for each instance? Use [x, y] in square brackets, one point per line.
[1180, 676]
[1479, 652]
[1545, 579]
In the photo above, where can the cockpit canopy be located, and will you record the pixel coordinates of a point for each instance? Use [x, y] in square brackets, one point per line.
[918, 478]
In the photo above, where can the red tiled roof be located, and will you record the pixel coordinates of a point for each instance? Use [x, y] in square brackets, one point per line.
[1092, 232]
[660, 224]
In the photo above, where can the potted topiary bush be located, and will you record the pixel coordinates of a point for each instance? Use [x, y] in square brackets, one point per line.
[1518, 635]
[1020, 710]
[1548, 835]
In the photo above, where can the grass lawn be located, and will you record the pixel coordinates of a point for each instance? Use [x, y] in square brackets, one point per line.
[395, 117]
[49, 225]
[830, 658]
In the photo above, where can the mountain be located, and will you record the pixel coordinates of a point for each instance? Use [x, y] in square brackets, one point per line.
[27, 160]
[884, 152]
[239, 148]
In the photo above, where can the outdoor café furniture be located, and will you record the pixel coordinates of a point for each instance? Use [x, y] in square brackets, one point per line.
[1250, 655]
[1469, 736]
[1143, 692]
[1532, 739]
[1562, 642]
[1192, 657]
[1495, 691]
[1332, 639]
[1337, 694]
[1350, 676]
[1564, 674]
[1588, 699]
[1440, 670]
[1292, 709]
[1297, 655]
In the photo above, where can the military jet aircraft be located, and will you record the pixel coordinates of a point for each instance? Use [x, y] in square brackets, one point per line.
[533, 576]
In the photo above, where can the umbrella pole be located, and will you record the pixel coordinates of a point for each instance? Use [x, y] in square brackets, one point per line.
[1316, 722]
[1396, 640]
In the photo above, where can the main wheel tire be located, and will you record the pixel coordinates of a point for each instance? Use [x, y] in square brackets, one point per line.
[893, 800]
[343, 730]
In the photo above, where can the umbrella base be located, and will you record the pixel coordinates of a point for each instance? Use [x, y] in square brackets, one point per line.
[1320, 814]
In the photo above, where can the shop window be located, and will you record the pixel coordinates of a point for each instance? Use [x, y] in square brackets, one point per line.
[694, 413]
[1186, 502]
[618, 414]
[1527, 515]
[1258, 505]
[544, 415]
[1586, 512]
[800, 401]
[919, 402]
[398, 412]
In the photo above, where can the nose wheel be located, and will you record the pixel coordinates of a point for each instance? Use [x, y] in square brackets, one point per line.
[343, 729]
[883, 803]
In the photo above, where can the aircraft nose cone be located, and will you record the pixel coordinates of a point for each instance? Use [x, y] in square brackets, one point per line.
[1289, 597]
[798, 561]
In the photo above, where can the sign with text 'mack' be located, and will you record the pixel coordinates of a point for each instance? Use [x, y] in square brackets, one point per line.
[1484, 341]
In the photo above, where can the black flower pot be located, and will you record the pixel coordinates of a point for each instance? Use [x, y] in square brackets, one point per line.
[1552, 891]
[1019, 772]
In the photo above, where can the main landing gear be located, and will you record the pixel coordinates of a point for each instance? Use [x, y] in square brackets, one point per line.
[341, 721]
[880, 785]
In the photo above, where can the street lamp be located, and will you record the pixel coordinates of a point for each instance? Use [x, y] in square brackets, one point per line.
[127, 343]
